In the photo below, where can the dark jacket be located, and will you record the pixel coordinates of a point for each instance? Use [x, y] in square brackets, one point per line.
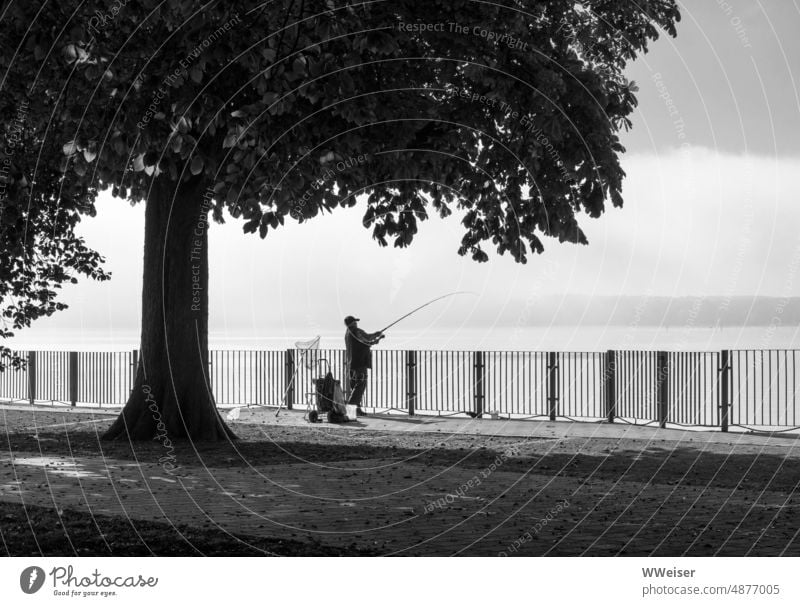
[357, 343]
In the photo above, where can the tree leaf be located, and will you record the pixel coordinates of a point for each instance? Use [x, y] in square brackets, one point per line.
[251, 226]
[197, 165]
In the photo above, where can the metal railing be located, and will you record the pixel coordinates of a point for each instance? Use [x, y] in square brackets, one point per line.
[112, 374]
[247, 378]
[755, 389]
[763, 386]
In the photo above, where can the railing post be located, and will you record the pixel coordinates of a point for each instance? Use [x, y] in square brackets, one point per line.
[610, 384]
[478, 383]
[411, 381]
[73, 378]
[662, 387]
[724, 389]
[346, 379]
[552, 384]
[134, 366]
[289, 376]
[31, 377]
[210, 371]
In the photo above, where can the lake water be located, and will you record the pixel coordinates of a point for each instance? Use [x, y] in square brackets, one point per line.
[555, 338]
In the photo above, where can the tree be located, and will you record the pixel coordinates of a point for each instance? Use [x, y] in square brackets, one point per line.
[283, 110]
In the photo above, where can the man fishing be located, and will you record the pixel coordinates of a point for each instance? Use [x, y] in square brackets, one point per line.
[358, 358]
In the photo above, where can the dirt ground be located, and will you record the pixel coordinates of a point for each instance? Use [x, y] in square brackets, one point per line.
[331, 490]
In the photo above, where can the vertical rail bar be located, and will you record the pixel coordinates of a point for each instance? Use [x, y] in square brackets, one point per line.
[134, 367]
[73, 378]
[662, 387]
[411, 382]
[609, 382]
[786, 387]
[724, 397]
[289, 375]
[31, 376]
[479, 382]
[552, 384]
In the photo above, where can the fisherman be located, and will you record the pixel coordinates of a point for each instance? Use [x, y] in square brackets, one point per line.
[358, 359]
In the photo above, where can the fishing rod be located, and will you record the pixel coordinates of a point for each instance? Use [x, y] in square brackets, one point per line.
[413, 311]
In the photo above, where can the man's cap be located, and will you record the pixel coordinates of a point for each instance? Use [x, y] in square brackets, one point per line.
[349, 320]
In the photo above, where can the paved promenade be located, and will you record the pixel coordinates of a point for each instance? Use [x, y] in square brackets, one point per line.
[426, 486]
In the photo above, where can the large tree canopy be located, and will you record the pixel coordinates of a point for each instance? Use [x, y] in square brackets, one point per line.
[280, 110]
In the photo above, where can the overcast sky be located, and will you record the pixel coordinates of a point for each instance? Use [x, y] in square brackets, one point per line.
[709, 210]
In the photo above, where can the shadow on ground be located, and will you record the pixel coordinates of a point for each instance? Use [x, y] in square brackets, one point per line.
[659, 463]
[626, 497]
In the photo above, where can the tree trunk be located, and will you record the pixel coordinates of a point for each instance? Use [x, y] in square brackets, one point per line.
[171, 397]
